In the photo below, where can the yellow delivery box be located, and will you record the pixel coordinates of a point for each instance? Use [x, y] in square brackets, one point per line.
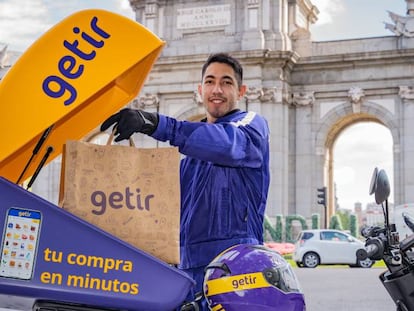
[77, 74]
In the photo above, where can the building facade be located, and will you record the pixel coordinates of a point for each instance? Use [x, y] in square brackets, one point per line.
[309, 91]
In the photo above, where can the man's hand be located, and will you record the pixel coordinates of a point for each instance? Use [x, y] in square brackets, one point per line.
[129, 121]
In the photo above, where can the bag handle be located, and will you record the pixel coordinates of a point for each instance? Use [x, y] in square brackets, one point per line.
[111, 139]
[95, 134]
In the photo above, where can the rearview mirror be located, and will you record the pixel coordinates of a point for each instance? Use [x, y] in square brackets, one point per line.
[379, 185]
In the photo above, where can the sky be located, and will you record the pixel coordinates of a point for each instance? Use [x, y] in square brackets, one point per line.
[23, 21]
[357, 151]
[348, 19]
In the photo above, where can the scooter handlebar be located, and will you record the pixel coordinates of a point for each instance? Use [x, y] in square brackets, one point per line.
[371, 231]
[407, 243]
[367, 252]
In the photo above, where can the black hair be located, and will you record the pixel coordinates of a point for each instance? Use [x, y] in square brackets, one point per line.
[225, 59]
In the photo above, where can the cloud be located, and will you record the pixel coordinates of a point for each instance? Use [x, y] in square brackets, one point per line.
[328, 9]
[358, 150]
[22, 23]
[345, 175]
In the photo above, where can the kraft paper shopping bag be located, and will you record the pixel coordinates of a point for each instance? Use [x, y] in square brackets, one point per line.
[129, 192]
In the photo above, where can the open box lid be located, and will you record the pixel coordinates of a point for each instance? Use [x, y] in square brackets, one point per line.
[67, 83]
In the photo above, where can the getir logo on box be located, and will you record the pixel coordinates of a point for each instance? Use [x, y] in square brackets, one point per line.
[58, 86]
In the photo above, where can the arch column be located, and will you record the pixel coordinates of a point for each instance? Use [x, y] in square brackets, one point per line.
[407, 142]
[269, 102]
[253, 99]
[305, 190]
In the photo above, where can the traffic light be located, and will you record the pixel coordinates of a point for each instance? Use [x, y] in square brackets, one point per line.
[322, 196]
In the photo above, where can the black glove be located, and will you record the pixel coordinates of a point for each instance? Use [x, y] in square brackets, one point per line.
[129, 121]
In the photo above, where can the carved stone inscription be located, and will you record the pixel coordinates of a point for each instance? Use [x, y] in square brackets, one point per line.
[206, 16]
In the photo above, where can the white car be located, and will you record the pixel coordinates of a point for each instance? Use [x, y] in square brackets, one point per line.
[327, 247]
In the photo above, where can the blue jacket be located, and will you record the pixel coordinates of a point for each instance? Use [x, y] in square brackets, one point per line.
[224, 182]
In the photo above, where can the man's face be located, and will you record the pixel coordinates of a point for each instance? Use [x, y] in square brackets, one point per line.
[219, 90]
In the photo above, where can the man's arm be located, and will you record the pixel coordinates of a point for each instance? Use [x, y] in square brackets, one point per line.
[239, 144]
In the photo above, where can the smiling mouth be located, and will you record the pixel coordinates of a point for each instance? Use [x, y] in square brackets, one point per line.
[217, 100]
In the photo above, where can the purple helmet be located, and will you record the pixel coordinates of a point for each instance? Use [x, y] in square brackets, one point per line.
[252, 278]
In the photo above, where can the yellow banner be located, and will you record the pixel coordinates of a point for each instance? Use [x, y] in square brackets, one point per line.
[236, 283]
[77, 74]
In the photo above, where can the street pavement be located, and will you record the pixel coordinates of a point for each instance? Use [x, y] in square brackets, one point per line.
[344, 289]
[11, 303]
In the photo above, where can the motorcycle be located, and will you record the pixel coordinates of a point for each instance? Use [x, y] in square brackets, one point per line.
[382, 243]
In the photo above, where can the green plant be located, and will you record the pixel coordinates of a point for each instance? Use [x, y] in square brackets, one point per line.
[335, 222]
[316, 221]
[289, 220]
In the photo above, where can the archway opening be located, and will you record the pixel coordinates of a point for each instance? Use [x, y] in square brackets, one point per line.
[357, 150]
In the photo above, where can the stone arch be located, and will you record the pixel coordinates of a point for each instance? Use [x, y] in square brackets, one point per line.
[195, 112]
[337, 120]
[191, 114]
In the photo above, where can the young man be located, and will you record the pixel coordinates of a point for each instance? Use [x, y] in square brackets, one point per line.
[225, 174]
